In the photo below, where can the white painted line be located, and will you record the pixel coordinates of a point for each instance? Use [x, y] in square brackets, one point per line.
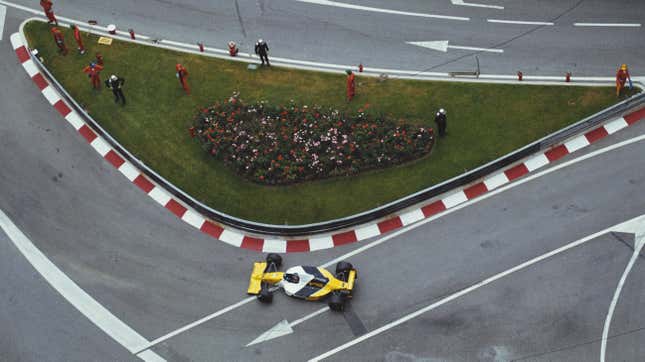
[231, 237]
[193, 218]
[462, 3]
[76, 296]
[284, 327]
[443, 46]
[16, 40]
[536, 162]
[380, 10]
[101, 146]
[159, 195]
[616, 125]
[76, 121]
[495, 181]
[454, 199]
[298, 321]
[144, 346]
[319, 243]
[470, 289]
[129, 171]
[405, 229]
[3, 13]
[411, 217]
[610, 25]
[638, 246]
[367, 231]
[30, 67]
[519, 22]
[274, 246]
[576, 143]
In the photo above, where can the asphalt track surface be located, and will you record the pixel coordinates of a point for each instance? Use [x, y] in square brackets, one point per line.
[158, 274]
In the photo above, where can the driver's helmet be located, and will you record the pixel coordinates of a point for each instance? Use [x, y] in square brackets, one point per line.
[291, 278]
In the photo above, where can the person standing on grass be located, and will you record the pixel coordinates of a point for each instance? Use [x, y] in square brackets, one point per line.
[182, 74]
[79, 40]
[262, 49]
[49, 11]
[60, 40]
[441, 120]
[93, 71]
[351, 85]
[116, 85]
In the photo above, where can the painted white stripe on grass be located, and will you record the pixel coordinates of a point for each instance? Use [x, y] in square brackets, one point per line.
[519, 22]
[468, 290]
[274, 246]
[616, 125]
[576, 143]
[495, 181]
[231, 238]
[367, 231]
[129, 171]
[536, 162]
[319, 243]
[610, 25]
[193, 218]
[83, 302]
[454, 199]
[101, 146]
[30, 67]
[159, 195]
[51, 95]
[411, 217]
[380, 10]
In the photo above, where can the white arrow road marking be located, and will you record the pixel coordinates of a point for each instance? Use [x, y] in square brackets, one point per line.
[284, 327]
[381, 10]
[462, 3]
[640, 220]
[637, 227]
[3, 13]
[443, 46]
[83, 302]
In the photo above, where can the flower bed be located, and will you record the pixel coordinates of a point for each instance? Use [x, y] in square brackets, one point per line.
[287, 144]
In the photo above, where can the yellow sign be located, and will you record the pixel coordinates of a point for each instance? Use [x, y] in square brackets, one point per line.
[105, 41]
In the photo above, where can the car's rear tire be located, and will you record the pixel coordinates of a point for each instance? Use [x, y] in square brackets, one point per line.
[343, 267]
[275, 259]
[265, 295]
[336, 302]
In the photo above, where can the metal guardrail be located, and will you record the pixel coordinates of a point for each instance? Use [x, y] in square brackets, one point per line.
[361, 218]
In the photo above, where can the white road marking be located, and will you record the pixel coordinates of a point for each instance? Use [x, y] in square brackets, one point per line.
[640, 219]
[400, 232]
[519, 22]
[443, 46]
[83, 302]
[284, 327]
[380, 10]
[462, 3]
[3, 13]
[610, 25]
[638, 229]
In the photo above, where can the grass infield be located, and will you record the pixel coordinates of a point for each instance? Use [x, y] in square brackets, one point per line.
[485, 121]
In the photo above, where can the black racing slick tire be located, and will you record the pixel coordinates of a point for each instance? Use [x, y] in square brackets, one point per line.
[343, 267]
[265, 295]
[275, 259]
[336, 302]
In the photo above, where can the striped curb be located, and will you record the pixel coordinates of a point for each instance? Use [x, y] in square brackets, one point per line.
[239, 239]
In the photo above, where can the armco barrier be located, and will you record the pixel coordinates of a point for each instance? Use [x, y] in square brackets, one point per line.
[368, 216]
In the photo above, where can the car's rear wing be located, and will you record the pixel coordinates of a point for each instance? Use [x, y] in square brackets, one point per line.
[255, 282]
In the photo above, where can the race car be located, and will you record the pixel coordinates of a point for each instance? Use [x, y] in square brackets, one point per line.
[304, 282]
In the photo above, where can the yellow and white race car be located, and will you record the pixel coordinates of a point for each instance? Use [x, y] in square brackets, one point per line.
[304, 282]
